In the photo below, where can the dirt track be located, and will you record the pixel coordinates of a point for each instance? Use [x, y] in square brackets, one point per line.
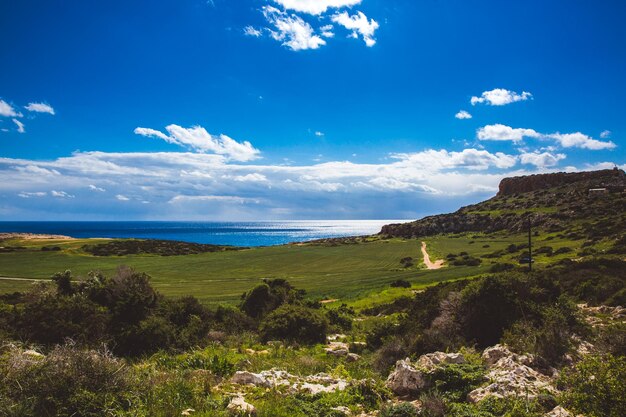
[430, 265]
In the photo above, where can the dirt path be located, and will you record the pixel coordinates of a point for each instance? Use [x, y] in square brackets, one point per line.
[23, 279]
[430, 265]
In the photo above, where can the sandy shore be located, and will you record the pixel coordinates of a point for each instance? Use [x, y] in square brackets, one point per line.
[30, 236]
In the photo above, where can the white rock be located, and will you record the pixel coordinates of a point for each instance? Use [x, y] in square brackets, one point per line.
[558, 411]
[249, 378]
[238, 405]
[406, 379]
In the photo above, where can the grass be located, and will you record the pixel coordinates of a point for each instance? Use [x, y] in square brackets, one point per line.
[345, 272]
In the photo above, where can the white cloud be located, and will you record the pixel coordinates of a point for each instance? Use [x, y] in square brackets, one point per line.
[291, 30]
[217, 198]
[60, 194]
[472, 159]
[25, 194]
[7, 110]
[250, 31]
[580, 140]
[605, 134]
[122, 197]
[327, 31]
[358, 24]
[40, 108]
[198, 139]
[316, 7]
[500, 97]
[20, 126]
[462, 114]
[318, 133]
[95, 188]
[503, 132]
[541, 160]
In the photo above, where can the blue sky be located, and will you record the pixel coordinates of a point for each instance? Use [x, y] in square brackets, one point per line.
[299, 109]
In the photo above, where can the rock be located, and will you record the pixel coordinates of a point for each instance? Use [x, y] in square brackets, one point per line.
[32, 353]
[511, 375]
[431, 360]
[558, 411]
[187, 412]
[335, 337]
[336, 352]
[238, 405]
[342, 409]
[352, 357]
[249, 378]
[406, 379]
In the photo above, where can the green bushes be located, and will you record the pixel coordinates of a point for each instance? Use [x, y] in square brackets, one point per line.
[268, 296]
[399, 410]
[596, 386]
[295, 324]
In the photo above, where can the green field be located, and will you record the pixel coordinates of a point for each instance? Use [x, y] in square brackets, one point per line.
[347, 272]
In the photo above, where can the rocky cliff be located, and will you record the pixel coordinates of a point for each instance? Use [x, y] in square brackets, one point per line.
[527, 183]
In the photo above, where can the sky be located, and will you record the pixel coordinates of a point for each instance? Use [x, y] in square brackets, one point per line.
[235, 110]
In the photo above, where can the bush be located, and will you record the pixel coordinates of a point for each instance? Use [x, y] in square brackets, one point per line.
[596, 386]
[399, 410]
[501, 267]
[400, 283]
[268, 296]
[67, 382]
[295, 324]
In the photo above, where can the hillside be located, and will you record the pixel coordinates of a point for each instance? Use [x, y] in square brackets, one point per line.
[559, 202]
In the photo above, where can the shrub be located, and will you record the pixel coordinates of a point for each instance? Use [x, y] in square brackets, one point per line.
[400, 283]
[596, 386]
[294, 323]
[268, 296]
[612, 339]
[66, 382]
[501, 267]
[399, 410]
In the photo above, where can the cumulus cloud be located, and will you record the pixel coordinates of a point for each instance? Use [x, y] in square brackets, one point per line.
[327, 31]
[291, 30]
[580, 140]
[20, 126]
[318, 133]
[500, 97]
[359, 25]
[541, 160]
[198, 139]
[316, 7]
[7, 110]
[463, 114]
[501, 132]
[40, 108]
[605, 134]
[472, 159]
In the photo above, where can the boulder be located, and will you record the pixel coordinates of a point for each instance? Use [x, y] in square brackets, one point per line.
[238, 406]
[406, 379]
[249, 378]
[558, 411]
[352, 357]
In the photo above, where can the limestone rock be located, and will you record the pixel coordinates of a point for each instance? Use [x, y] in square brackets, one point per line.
[238, 405]
[249, 378]
[558, 411]
[406, 379]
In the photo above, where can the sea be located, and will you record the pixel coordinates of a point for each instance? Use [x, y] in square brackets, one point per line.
[267, 233]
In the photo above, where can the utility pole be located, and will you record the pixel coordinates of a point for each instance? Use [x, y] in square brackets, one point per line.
[530, 250]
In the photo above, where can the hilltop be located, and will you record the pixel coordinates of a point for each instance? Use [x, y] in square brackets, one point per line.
[558, 202]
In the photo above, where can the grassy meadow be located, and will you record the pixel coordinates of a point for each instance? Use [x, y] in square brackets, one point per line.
[347, 272]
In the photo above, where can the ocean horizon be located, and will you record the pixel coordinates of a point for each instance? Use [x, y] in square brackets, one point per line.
[262, 233]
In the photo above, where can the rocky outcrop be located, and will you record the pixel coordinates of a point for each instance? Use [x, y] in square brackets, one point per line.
[527, 183]
[510, 375]
[411, 379]
[274, 378]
